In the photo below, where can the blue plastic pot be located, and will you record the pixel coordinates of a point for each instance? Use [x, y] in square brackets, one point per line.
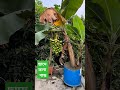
[72, 77]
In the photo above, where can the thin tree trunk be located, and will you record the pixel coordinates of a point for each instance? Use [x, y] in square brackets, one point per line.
[89, 75]
[107, 80]
[50, 58]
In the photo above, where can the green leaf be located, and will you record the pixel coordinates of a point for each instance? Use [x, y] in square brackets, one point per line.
[7, 6]
[73, 33]
[78, 23]
[13, 17]
[39, 36]
[70, 7]
[9, 24]
[112, 12]
[57, 7]
[39, 27]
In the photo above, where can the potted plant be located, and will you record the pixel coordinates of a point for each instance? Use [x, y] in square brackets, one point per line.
[76, 34]
[67, 39]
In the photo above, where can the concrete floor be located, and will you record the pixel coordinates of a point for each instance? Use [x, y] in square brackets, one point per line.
[54, 84]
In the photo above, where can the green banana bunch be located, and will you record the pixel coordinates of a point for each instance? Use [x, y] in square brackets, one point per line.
[56, 45]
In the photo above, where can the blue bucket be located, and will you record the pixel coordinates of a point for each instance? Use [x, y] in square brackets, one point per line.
[72, 77]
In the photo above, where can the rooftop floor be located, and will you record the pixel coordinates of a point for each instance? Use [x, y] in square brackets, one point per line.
[53, 84]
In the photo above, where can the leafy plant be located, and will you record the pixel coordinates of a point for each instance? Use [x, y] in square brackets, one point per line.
[38, 9]
[11, 18]
[103, 32]
[76, 32]
[70, 7]
[16, 41]
[77, 27]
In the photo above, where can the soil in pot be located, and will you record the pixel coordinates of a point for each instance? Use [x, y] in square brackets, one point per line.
[68, 65]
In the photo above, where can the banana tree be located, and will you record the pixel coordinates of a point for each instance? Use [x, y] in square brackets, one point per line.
[103, 29]
[67, 13]
[76, 32]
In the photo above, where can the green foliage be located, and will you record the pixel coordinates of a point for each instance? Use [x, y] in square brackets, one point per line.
[76, 32]
[103, 33]
[78, 23]
[10, 22]
[111, 9]
[7, 7]
[73, 32]
[39, 8]
[57, 7]
[15, 55]
[38, 37]
[70, 7]
[40, 29]
[15, 23]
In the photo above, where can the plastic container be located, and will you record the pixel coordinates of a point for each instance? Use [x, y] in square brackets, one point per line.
[72, 77]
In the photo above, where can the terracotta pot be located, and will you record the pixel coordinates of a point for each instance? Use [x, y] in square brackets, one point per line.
[50, 70]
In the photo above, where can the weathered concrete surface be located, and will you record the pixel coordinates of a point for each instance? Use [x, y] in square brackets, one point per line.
[55, 84]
